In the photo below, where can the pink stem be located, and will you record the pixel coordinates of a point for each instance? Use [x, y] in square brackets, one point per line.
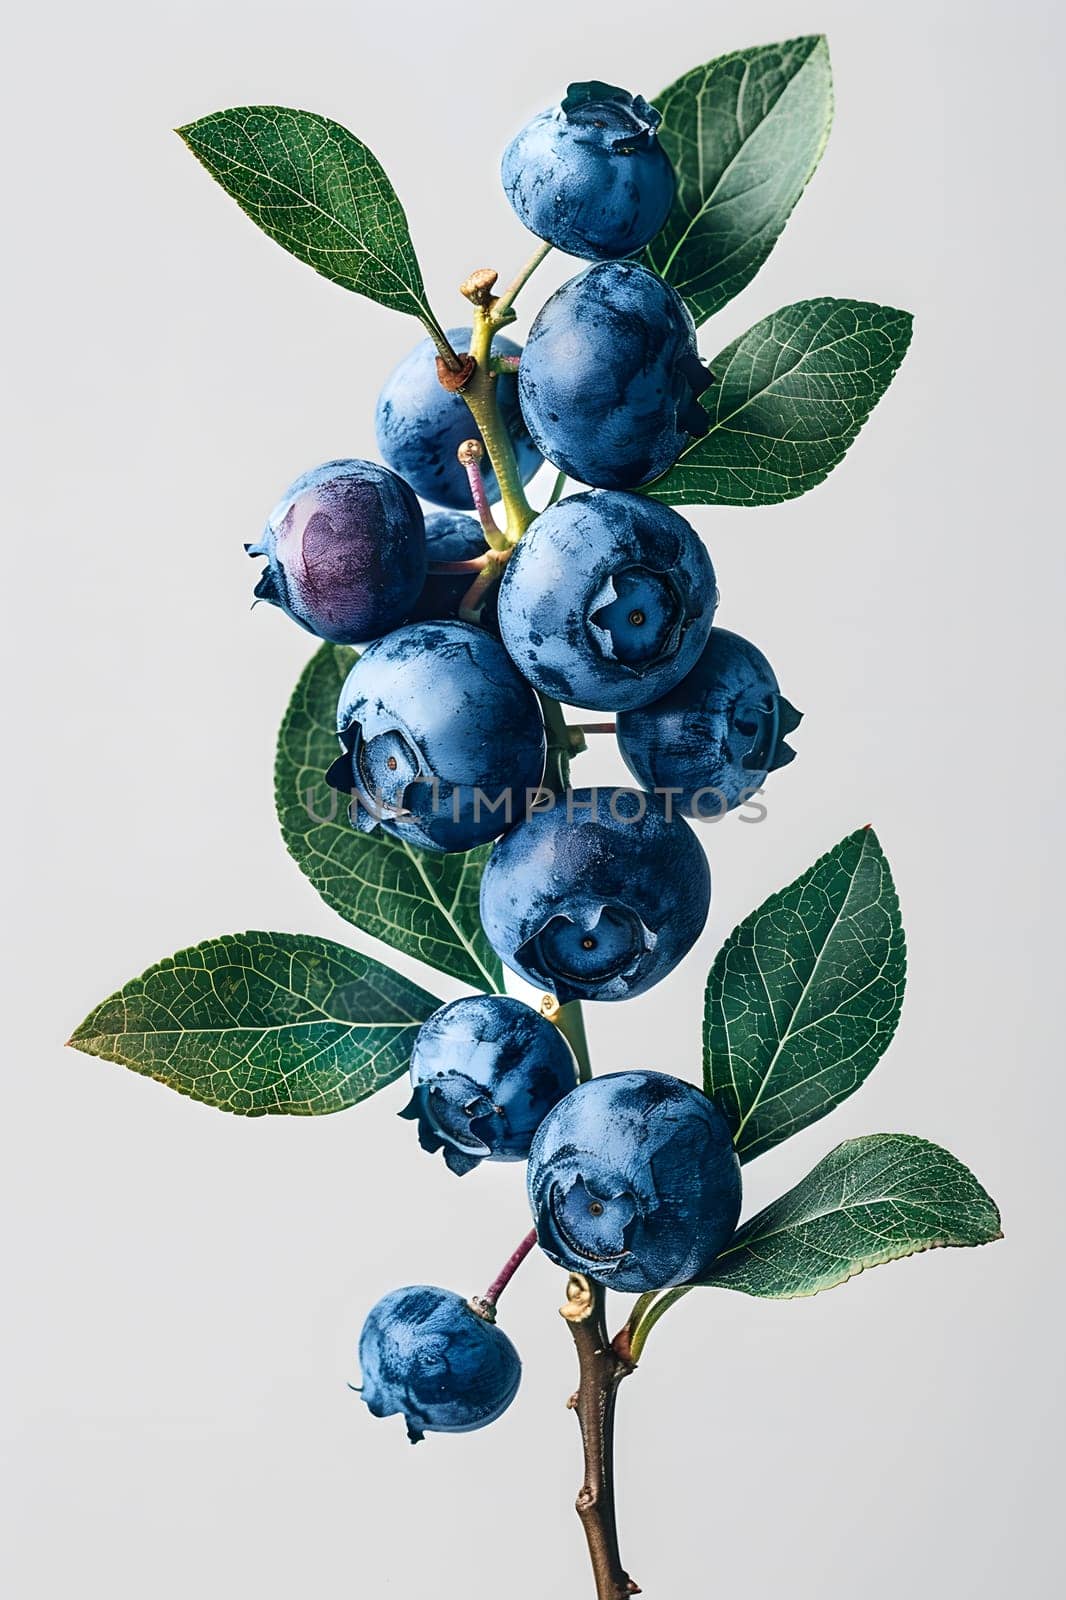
[444, 568]
[596, 727]
[470, 454]
[508, 1270]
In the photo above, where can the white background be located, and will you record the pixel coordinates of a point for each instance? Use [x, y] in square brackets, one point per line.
[184, 1290]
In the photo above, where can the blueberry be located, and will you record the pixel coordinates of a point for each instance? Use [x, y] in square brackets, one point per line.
[485, 1071]
[717, 734]
[451, 536]
[420, 425]
[607, 600]
[346, 551]
[610, 376]
[590, 175]
[598, 898]
[634, 1181]
[441, 737]
[427, 1354]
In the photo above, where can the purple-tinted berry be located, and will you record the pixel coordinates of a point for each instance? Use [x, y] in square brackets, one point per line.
[346, 551]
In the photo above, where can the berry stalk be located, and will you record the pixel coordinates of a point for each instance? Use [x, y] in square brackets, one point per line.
[501, 308]
[508, 1270]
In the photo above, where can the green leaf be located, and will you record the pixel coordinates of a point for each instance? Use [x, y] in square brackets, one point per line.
[789, 398]
[258, 1023]
[804, 996]
[871, 1200]
[421, 903]
[745, 133]
[318, 192]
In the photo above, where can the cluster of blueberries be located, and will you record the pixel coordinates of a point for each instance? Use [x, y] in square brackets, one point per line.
[606, 602]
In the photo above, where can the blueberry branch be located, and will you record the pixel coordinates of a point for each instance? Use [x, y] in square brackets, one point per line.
[601, 1365]
[601, 1370]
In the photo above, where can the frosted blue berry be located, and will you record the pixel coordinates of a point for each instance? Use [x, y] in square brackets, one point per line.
[607, 601]
[634, 1182]
[590, 175]
[610, 377]
[425, 1353]
[485, 1071]
[441, 737]
[420, 425]
[717, 735]
[598, 898]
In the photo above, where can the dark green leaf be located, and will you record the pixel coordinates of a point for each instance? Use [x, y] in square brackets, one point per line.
[259, 1023]
[871, 1200]
[745, 133]
[805, 995]
[789, 398]
[318, 192]
[420, 902]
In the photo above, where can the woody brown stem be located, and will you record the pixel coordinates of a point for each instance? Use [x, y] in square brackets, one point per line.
[601, 1371]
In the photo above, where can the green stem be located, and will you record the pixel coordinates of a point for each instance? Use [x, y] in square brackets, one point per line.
[562, 744]
[501, 309]
[480, 395]
[490, 314]
[557, 487]
[642, 1322]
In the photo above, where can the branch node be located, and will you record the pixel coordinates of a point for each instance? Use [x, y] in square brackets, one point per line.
[454, 381]
[484, 1309]
[622, 1347]
[479, 286]
[580, 1300]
